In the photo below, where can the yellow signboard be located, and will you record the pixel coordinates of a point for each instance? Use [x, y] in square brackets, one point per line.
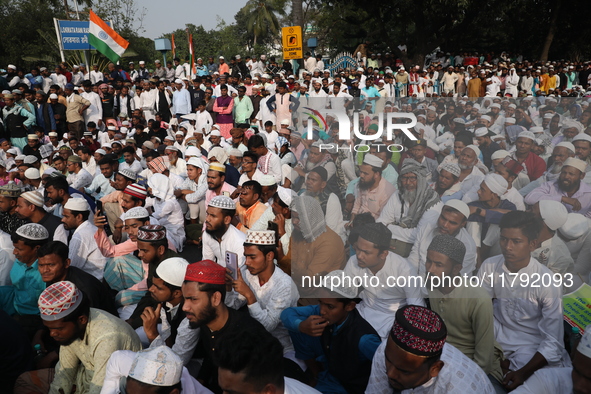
[292, 42]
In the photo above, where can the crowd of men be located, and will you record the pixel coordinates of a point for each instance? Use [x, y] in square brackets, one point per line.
[161, 229]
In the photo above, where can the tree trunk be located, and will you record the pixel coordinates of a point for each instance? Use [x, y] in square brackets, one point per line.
[297, 16]
[551, 31]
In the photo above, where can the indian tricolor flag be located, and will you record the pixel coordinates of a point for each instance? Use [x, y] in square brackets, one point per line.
[105, 39]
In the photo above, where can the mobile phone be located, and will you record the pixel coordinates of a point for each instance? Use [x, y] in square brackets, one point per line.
[232, 263]
[101, 212]
[271, 225]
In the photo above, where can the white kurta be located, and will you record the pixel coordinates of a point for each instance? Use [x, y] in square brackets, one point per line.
[169, 214]
[527, 319]
[84, 252]
[381, 302]
[278, 294]
[94, 113]
[232, 241]
[459, 375]
[395, 210]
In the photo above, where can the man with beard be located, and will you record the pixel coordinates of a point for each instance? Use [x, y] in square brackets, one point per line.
[220, 234]
[330, 203]
[570, 130]
[417, 150]
[470, 176]
[466, 309]
[451, 221]
[9, 220]
[582, 144]
[216, 182]
[486, 145]
[87, 337]
[560, 154]
[315, 249]
[372, 191]
[416, 356]
[568, 188]
[166, 324]
[447, 183]
[204, 290]
[414, 205]
[534, 165]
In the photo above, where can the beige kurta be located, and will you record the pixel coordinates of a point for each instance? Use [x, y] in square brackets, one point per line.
[468, 315]
[83, 363]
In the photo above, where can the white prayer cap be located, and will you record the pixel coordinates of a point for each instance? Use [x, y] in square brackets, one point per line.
[267, 180]
[496, 183]
[179, 133]
[553, 213]
[12, 151]
[286, 195]
[100, 152]
[168, 138]
[52, 134]
[512, 106]
[30, 159]
[32, 173]
[136, 213]
[459, 206]
[178, 80]
[221, 57]
[582, 137]
[112, 128]
[33, 232]
[197, 162]
[475, 149]
[223, 202]
[584, 346]
[373, 161]
[349, 292]
[192, 151]
[34, 197]
[215, 133]
[260, 237]
[142, 62]
[485, 117]
[576, 163]
[567, 145]
[172, 148]
[548, 116]
[173, 270]
[481, 132]
[527, 134]
[495, 105]
[285, 121]
[11, 66]
[500, 154]
[536, 129]
[510, 120]
[452, 168]
[235, 152]
[20, 157]
[459, 121]
[157, 366]
[77, 204]
[123, 130]
[576, 226]
[53, 96]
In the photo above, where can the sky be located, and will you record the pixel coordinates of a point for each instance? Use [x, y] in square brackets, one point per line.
[165, 16]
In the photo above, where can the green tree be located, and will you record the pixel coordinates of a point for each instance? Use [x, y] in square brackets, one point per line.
[261, 18]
